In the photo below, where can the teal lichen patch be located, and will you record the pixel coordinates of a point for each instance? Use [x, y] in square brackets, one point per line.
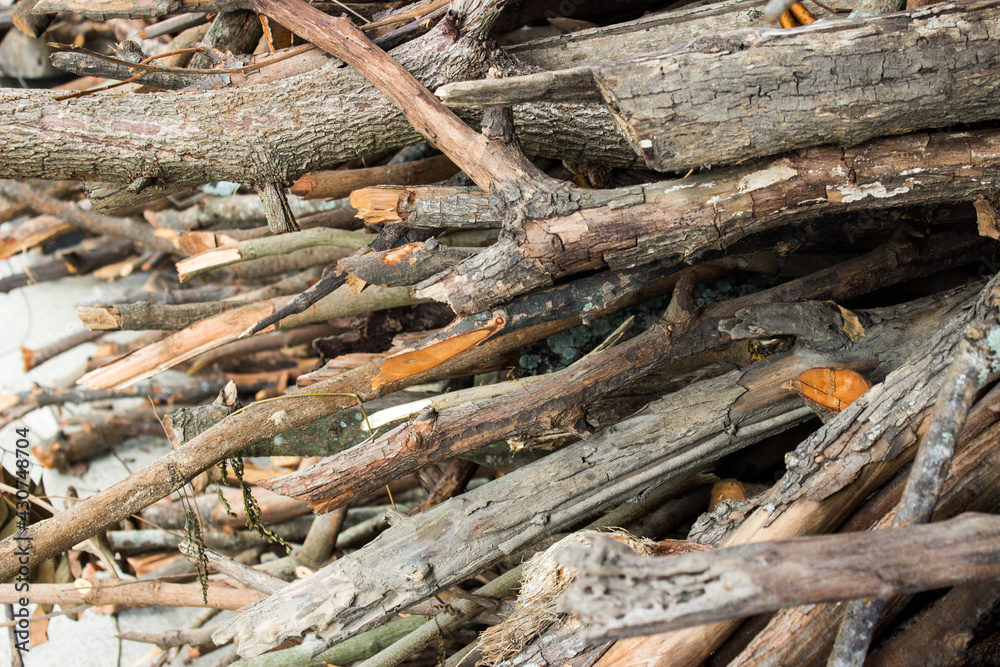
[993, 340]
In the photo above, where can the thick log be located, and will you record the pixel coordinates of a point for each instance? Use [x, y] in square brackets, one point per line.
[683, 219]
[623, 594]
[231, 147]
[762, 92]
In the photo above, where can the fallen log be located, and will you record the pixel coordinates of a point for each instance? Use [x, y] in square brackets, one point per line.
[762, 92]
[682, 220]
[622, 594]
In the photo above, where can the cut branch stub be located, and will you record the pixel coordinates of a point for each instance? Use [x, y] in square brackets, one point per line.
[275, 204]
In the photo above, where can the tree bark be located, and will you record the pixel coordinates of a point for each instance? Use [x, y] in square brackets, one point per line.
[624, 594]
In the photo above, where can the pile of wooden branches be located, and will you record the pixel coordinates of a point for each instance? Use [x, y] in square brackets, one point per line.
[545, 269]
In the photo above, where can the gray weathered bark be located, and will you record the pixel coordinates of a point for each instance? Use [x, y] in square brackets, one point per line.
[422, 555]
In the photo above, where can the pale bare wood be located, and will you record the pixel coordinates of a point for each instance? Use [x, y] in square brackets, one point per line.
[98, 592]
[341, 183]
[265, 247]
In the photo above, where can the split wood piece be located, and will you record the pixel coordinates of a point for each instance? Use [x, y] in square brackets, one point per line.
[226, 327]
[852, 454]
[89, 221]
[432, 208]
[32, 233]
[583, 478]
[159, 393]
[560, 400]
[683, 219]
[341, 183]
[233, 32]
[622, 594]
[977, 355]
[405, 265]
[267, 246]
[132, 542]
[732, 119]
[94, 437]
[25, 20]
[99, 592]
[32, 358]
[247, 576]
[80, 260]
[803, 636]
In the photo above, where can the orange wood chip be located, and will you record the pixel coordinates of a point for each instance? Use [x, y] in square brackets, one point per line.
[831, 389]
[410, 363]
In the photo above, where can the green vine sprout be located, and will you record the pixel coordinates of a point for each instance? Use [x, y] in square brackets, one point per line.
[249, 502]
